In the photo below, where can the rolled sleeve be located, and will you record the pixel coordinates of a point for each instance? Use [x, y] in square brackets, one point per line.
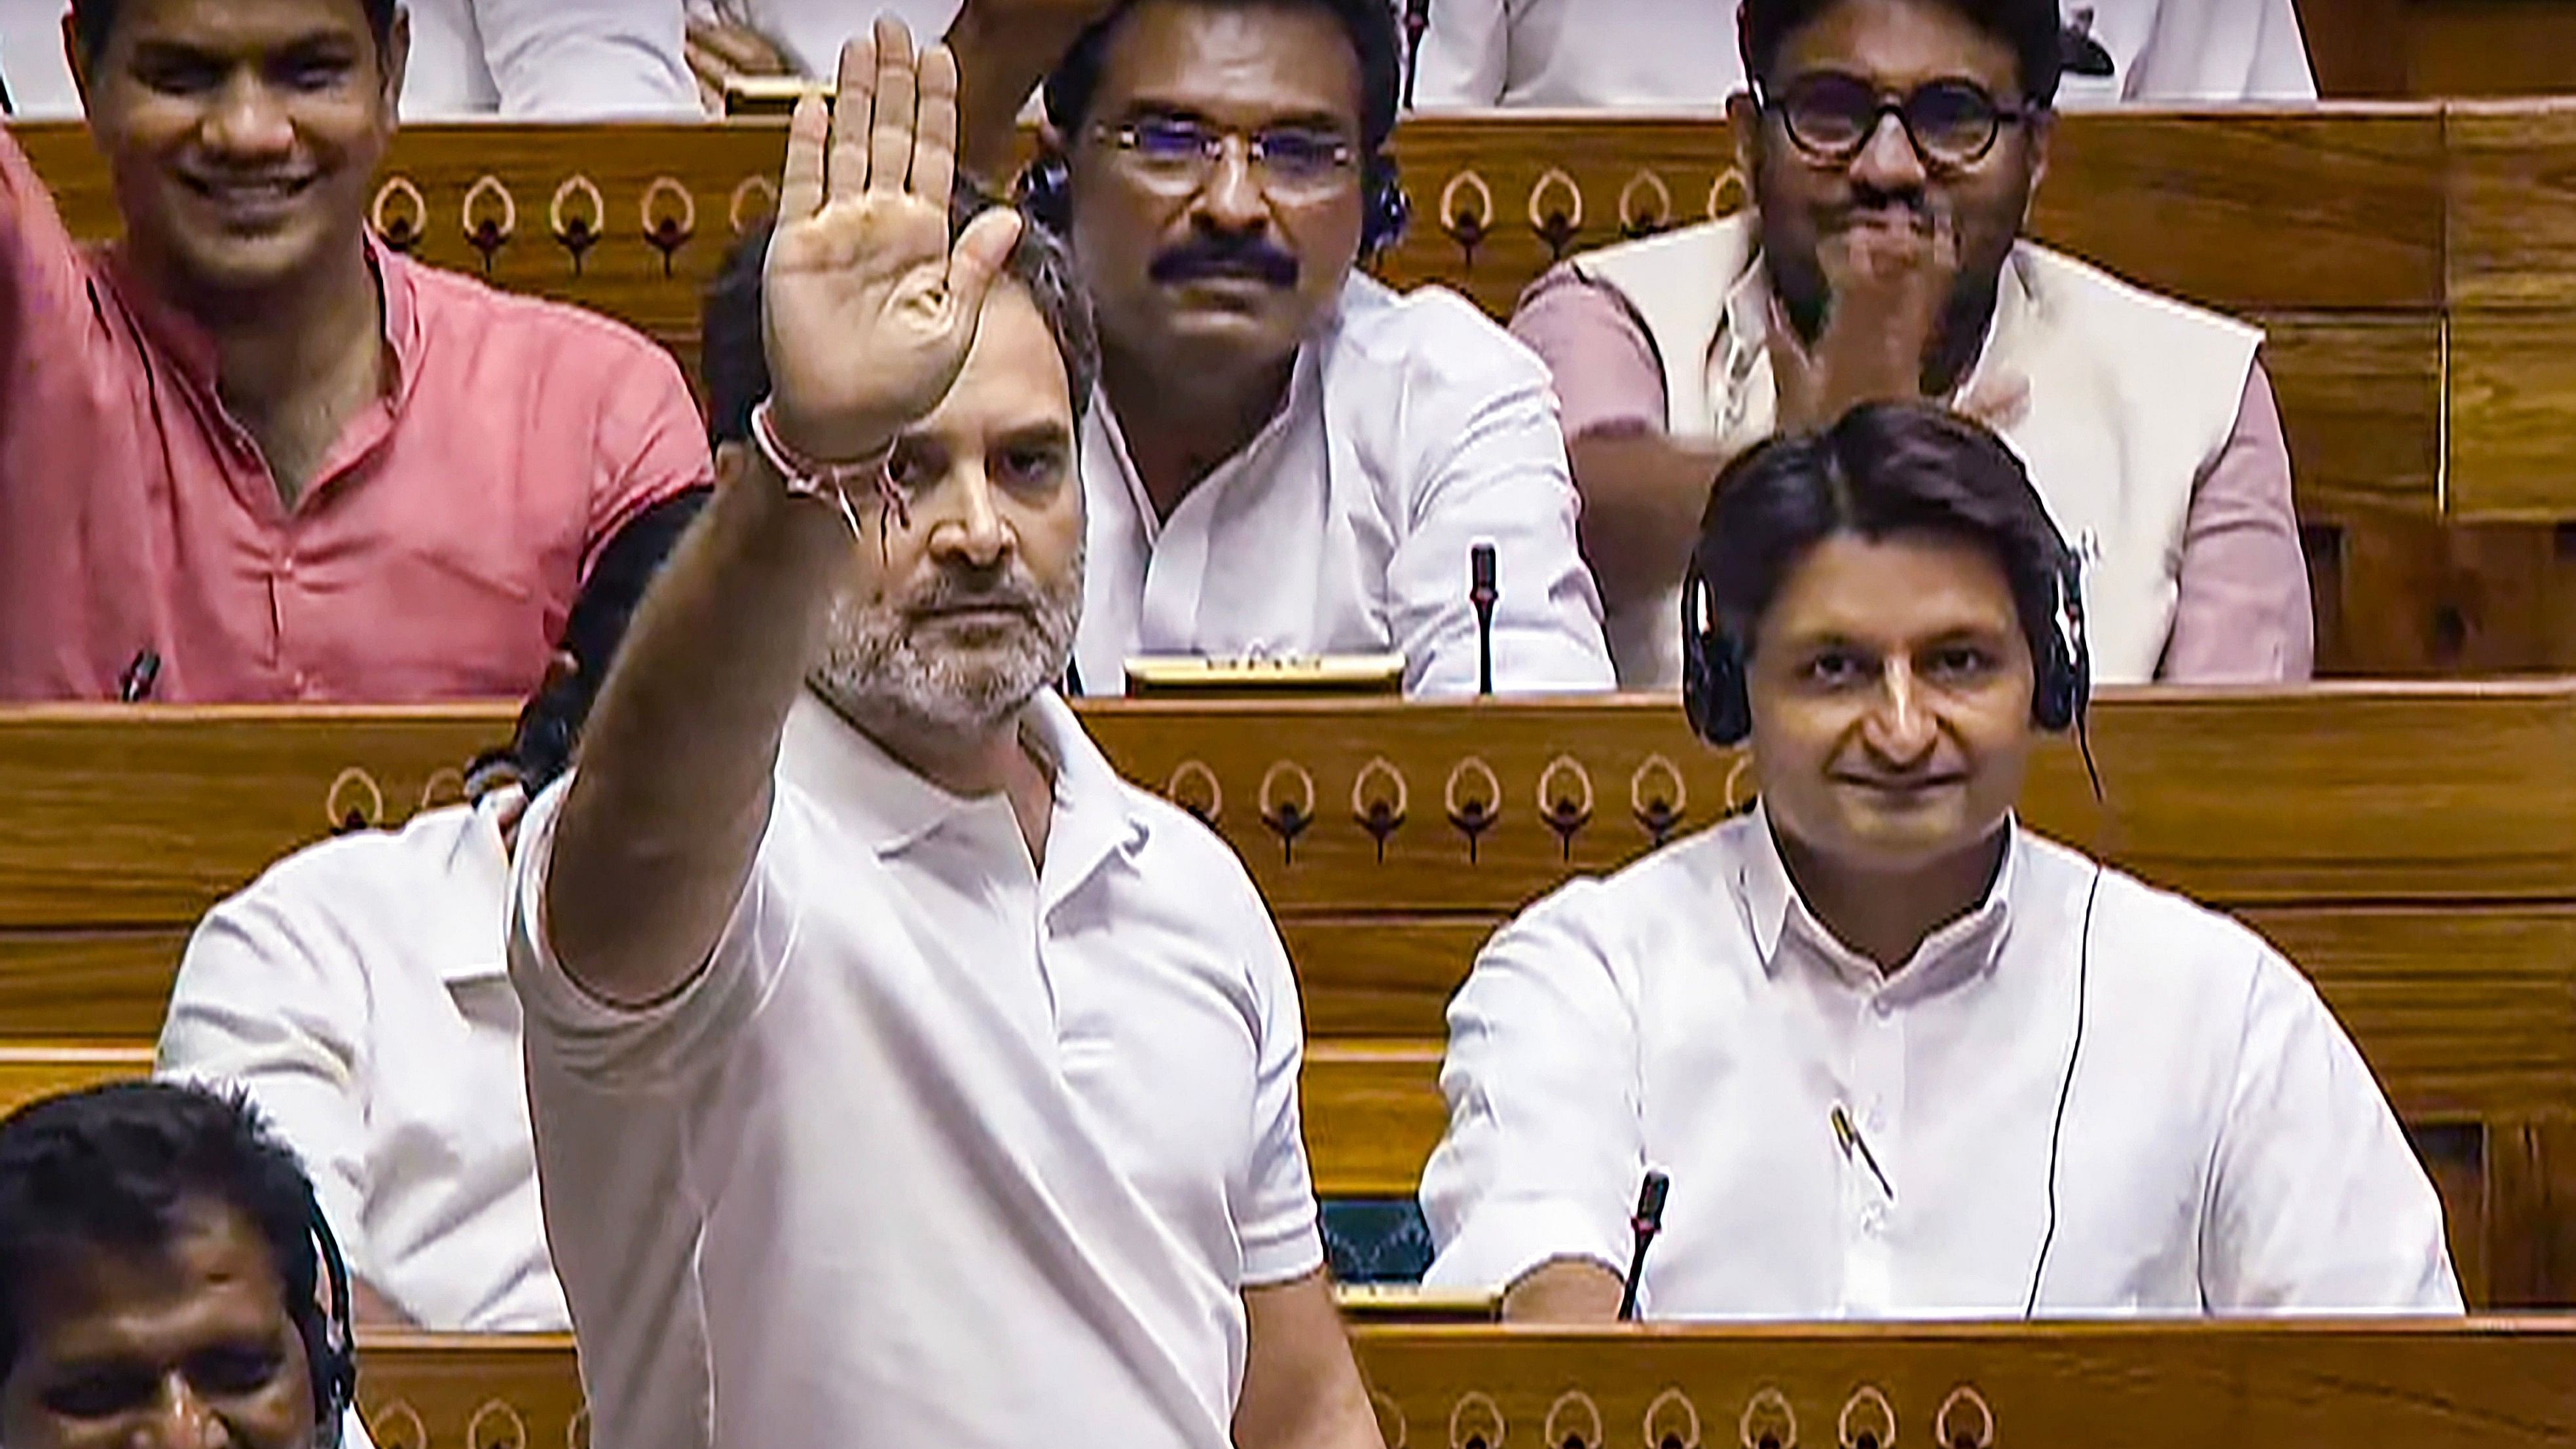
[2242, 612]
[1607, 379]
[1546, 1137]
[1277, 1222]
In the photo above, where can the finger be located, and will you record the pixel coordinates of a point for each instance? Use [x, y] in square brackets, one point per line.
[847, 173]
[981, 253]
[890, 140]
[934, 148]
[800, 187]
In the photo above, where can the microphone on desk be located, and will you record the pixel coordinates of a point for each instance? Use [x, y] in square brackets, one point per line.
[1417, 21]
[1482, 593]
[1648, 1222]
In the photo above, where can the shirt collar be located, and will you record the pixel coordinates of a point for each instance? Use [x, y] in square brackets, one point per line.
[178, 333]
[468, 944]
[1967, 947]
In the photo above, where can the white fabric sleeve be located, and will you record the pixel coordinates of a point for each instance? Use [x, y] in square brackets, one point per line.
[2222, 50]
[2318, 1202]
[1487, 464]
[268, 999]
[617, 1048]
[1276, 1220]
[1546, 1139]
[1466, 55]
[587, 59]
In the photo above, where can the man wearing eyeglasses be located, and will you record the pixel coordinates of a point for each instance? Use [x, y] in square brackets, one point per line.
[1288, 458]
[1893, 146]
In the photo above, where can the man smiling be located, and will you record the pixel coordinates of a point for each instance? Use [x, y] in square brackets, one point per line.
[236, 461]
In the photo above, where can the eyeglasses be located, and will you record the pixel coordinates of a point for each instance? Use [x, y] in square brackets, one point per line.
[1831, 116]
[1175, 156]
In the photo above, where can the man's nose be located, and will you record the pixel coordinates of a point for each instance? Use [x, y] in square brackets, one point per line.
[967, 525]
[182, 1420]
[1899, 730]
[249, 119]
[1887, 160]
[1232, 200]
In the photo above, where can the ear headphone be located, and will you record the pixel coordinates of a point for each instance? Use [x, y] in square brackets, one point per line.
[330, 1338]
[1720, 708]
[1045, 192]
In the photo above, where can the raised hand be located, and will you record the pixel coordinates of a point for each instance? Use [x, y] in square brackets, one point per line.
[1886, 289]
[867, 311]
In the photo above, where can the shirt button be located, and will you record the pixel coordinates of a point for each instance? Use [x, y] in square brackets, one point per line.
[1882, 1008]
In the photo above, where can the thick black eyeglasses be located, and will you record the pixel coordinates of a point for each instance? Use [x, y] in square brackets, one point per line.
[1831, 116]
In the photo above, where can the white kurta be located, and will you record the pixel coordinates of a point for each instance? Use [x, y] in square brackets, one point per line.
[1668, 54]
[811, 31]
[941, 1148]
[2225, 1147]
[1415, 428]
[547, 60]
[359, 991]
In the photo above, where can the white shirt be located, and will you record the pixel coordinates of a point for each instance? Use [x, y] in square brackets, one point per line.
[2225, 1148]
[31, 60]
[811, 31]
[1682, 54]
[940, 1148]
[1414, 428]
[547, 60]
[359, 990]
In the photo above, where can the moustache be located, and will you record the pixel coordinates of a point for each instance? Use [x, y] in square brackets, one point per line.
[1199, 259]
[950, 594]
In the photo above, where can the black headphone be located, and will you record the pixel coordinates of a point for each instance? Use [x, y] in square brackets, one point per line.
[1045, 192]
[1720, 708]
[330, 1336]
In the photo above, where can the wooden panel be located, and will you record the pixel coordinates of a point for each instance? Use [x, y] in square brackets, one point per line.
[2361, 402]
[470, 1391]
[146, 817]
[2105, 1386]
[2348, 47]
[2488, 47]
[1372, 1113]
[32, 1070]
[2419, 598]
[108, 985]
[2512, 204]
[2532, 1211]
[2513, 387]
[2238, 797]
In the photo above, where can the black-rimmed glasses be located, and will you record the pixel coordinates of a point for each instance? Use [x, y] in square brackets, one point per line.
[1831, 116]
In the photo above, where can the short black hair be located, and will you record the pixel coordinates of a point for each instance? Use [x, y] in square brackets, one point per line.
[94, 20]
[1884, 468]
[2033, 28]
[734, 364]
[119, 1167]
[1369, 23]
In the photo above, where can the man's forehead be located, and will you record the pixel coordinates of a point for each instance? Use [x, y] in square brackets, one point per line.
[241, 24]
[1904, 588]
[1239, 63]
[1899, 43]
[215, 1273]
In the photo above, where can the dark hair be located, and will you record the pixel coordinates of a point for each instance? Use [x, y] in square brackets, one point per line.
[1370, 24]
[117, 1167]
[2033, 28]
[734, 363]
[94, 20]
[1885, 468]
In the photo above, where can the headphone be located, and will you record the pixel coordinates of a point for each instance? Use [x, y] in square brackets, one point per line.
[1720, 708]
[330, 1337]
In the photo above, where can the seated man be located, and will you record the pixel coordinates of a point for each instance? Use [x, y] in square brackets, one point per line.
[165, 1279]
[1893, 147]
[1286, 458]
[250, 454]
[1655, 55]
[1899, 1056]
[900, 1075]
[359, 992]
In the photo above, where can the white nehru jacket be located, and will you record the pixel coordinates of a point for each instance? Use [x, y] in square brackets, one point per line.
[1683, 54]
[359, 991]
[2225, 1147]
[1414, 429]
[567, 60]
[941, 1148]
[811, 31]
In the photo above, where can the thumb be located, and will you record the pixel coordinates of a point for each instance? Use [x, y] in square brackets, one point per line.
[980, 255]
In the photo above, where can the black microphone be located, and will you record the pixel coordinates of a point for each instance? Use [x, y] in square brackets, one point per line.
[1417, 21]
[1648, 1222]
[6, 109]
[135, 685]
[1482, 593]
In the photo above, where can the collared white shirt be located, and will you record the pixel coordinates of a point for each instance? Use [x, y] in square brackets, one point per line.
[2225, 1148]
[565, 60]
[359, 990]
[1414, 429]
[1683, 54]
[941, 1148]
[811, 31]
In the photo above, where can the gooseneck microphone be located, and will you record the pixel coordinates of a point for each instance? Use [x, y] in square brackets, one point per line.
[1648, 1222]
[1482, 593]
[1417, 22]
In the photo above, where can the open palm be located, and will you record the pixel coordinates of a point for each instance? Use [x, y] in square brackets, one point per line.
[868, 311]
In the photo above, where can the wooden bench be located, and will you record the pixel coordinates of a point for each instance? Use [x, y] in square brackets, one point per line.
[2492, 1384]
[2415, 265]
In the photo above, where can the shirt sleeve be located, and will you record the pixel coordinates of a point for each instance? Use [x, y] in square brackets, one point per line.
[2222, 50]
[2318, 1202]
[1466, 56]
[586, 59]
[1488, 465]
[652, 445]
[1277, 1219]
[42, 273]
[1546, 1140]
[269, 999]
[622, 1049]
[1607, 378]
[2242, 612]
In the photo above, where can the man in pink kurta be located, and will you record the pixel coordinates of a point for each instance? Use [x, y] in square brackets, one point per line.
[433, 541]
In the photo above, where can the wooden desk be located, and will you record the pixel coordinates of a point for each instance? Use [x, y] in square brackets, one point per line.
[2319, 1385]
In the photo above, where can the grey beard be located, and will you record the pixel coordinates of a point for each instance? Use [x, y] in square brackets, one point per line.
[875, 672]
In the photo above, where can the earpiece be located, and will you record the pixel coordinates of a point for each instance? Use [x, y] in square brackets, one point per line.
[330, 1342]
[1045, 192]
